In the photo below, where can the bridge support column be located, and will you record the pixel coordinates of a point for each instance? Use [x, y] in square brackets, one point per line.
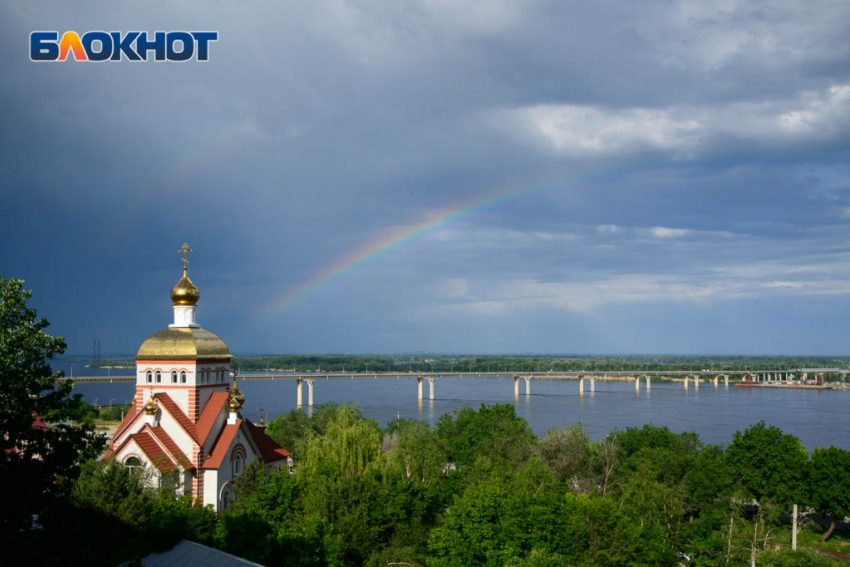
[716, 382]
[648, 383]
[527, 385]
[686, 382]
[696, 382]
[419, 380]
[431, 387]
[299, 389]
[726, 381]
[310, 392]
[516, 386]
[592, 384]
[581, 385]
[637, 385]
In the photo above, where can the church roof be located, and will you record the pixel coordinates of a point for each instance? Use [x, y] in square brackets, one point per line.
[172, 408]
[172, 448]
[153, 451]
[222, 445]
[128, 419]
[211, 411]
[270, 451]
[184, 343]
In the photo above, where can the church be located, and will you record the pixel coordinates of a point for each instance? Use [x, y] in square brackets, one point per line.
[185, 423]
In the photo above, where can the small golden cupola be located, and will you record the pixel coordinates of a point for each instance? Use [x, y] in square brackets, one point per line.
[185, 296]
[151, 406]
[185, 292]
[237, 398]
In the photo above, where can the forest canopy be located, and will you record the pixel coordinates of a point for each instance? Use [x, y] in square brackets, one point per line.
[480, 489]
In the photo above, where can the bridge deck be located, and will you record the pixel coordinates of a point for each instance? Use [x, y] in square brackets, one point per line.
[530, 375]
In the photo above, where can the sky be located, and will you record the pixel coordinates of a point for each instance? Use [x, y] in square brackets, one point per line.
[486, 177]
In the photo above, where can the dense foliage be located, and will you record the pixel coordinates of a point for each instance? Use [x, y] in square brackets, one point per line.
[479, 489]
[37, 464]
[530, 363]
[485, 364]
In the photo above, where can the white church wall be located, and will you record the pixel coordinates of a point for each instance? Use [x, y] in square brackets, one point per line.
[174, 430]
[220, 420]
[211, 489]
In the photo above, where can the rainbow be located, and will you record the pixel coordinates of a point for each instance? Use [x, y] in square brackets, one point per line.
[405, 235]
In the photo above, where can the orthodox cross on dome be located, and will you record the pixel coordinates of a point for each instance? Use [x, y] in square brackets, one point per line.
[184, 250]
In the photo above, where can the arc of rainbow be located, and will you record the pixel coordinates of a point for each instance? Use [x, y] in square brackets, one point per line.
[401, 236]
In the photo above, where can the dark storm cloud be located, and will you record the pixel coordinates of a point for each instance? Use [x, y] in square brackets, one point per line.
[693, 155]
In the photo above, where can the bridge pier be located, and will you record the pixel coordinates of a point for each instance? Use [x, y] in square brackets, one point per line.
[637, 385]
[581, 385]
[696, 382]
[516, 386]
[431, 387]
[527, 385]
[299, 391]
[419, 381]
[310, 392]
[716, 382]
[648, 384]
[592, 384]
[686, 382]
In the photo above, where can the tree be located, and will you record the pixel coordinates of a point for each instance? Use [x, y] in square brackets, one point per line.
[494, 432]
[345, 448]
[769, 465]
[40, 463]
[829, 484]
[499, 521]
[289, 430]
[414, 452]
[569, 453]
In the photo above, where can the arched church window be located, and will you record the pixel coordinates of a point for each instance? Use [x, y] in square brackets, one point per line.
[237, 465]
[158, 376]
[182, 376]
[217, 375]
[227, 497]
[148, 377]
[132, 463]
[173, 376]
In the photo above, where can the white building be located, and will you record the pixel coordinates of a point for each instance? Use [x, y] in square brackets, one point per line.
[185, 422]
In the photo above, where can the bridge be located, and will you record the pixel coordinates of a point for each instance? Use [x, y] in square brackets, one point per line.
[687, 376]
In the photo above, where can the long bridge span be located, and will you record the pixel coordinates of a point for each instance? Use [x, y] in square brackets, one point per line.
[688, 377]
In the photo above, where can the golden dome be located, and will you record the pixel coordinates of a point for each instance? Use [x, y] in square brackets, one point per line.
[237, 398]
[184, 343]
[151, 407]
[185, 292]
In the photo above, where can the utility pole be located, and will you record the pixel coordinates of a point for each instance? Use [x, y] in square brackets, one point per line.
[794, 529]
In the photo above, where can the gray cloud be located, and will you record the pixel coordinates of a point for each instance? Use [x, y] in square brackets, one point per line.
[690, 157]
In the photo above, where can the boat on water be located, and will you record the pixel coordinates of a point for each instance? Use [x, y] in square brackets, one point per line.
[785, 386]
[802, 383]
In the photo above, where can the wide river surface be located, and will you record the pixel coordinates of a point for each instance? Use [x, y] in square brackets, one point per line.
[817, 418]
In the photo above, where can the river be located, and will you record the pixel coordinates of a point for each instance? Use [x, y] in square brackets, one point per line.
[817, 418]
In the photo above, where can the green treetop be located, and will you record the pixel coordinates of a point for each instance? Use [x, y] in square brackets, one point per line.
[39, 462]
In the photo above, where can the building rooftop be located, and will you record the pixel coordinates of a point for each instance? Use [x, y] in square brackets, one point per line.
[191, 554]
